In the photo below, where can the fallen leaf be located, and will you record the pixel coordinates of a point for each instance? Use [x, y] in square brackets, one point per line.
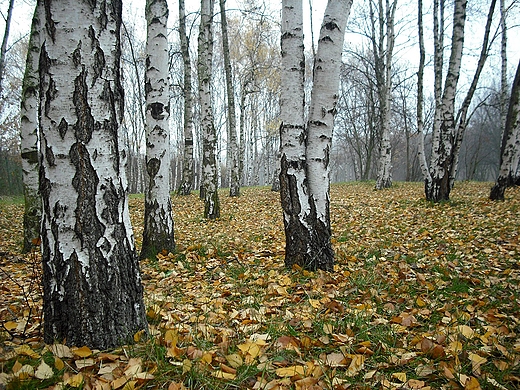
[44, 371]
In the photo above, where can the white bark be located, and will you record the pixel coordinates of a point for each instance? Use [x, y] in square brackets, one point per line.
[438, 189]
[209, 185]
[187, 162]
[29, 137]
[509, 174]
[158, 232]
[420, 97]
[324, 98]
[384, 174]
[91, 279]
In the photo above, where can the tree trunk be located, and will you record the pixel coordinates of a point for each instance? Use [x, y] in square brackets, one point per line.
[462, 114]
[158, 232]
[510, 150]
[29, 138]
[3, 48]
[293, 180]
[383, 55]
[92, 285]
[209, 187]
[322, 110]
[305, 149]
[438, 189]
[234, 179]
[420, 97]
[187, 162]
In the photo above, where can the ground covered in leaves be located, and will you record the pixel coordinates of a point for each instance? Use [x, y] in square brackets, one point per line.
[424, 296]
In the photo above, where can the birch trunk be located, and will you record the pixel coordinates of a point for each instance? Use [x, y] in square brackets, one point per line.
[187, 161]
[293, 181]
[510, 150]
[29, 138]
[384, 54]
[420, 96]
[234, 180]
[438, 189]
[462, 114]
[322, 110]
[209, 185]
[158, 231]
[92, 286]
[3, 48]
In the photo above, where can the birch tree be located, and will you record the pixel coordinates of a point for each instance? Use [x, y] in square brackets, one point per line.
[29, 137]
[234, 182]
[383, 46]
[92, 291]
[209, 185]
[305, 146]
[158, 222]
[449, 128]
[3, 48]
[187, 161]
[508, 175]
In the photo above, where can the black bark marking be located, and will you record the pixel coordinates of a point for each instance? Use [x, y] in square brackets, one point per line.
[88, 227]
[49, 22]
[152, 167]
[84, 126]
[31, 157]
[331, 26]
[156, 110]
[62, 128]
[49, 156]
[76, 55]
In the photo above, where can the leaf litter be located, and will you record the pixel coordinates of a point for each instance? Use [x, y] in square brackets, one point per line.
[423, 296]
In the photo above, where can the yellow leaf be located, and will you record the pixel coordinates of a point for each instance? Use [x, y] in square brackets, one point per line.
[75, 380]
[466, 331]
[171, 337]
[356, 365]
[130, 385]
[400, 376]
[61, 351]
[83, 363]
[476, 362]
[250, 348]
[472, 384]
[44, 371]
[335, 359]
[119, 382]
[10, 325]
[186, 366]
[58, 364]
[223, 375]
[315, 303]
[27, 351]
[82, 352]
[290, 371]
[25, 372]
[138, 336]
[235, 360]
[328, 328]
[420, 302]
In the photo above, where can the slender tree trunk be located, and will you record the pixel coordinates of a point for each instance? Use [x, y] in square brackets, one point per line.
[92, 286]
[509, 174]
[158, 232]
[420, 97]
[438, 189]
[384, 55]
[209, 163]
[322, 110]
[234, 180]
[3, 48]
[29, 138]
[187, 162]
[462, 119]
[293, 181]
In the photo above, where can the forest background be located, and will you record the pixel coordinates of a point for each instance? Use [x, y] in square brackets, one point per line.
[255, 57]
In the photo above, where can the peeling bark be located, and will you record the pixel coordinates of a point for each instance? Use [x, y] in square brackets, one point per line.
[91, 278]
[158, 233]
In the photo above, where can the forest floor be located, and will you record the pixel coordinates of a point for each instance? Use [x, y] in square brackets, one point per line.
[423, 296]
